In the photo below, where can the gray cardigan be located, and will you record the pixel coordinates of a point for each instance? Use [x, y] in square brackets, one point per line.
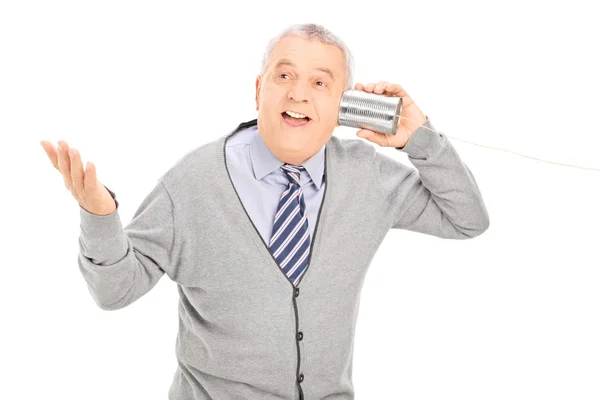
[244, 331]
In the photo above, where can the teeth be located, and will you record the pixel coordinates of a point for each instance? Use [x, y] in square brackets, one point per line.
[295, 115]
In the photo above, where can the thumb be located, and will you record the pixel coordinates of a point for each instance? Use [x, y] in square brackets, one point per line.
[364, 133]
[372, 136]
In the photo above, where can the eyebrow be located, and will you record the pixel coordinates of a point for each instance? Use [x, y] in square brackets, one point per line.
[288, 62]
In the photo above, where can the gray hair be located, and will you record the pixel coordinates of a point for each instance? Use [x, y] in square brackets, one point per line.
[313, 31]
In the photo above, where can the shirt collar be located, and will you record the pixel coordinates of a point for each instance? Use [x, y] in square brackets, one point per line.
[264, 161]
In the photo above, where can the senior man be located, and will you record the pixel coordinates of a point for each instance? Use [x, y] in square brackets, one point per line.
[269, 230]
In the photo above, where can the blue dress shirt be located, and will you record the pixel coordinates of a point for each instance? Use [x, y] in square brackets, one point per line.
[259, 181]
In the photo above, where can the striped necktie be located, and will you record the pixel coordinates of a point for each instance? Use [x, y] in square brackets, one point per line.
[290, 238]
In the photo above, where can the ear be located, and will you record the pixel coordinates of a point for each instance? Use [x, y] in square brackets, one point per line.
[257, 85]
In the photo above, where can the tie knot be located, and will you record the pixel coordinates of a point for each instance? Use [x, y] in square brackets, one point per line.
[292, 172]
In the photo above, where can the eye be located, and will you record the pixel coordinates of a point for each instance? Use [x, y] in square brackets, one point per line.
[283, 75]
[321, 82]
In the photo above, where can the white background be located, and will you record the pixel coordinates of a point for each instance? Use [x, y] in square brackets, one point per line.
[133, 85]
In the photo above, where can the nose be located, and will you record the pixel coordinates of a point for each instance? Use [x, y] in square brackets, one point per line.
[298, 93]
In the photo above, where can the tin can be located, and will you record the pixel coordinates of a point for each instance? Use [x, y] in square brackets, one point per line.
[364, 110]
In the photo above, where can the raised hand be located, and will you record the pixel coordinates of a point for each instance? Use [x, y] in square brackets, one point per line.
[411, 116]
[83, 185]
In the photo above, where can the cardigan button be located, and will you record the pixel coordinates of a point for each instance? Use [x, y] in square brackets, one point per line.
[300, 377]
[299, 335]
[296, 292]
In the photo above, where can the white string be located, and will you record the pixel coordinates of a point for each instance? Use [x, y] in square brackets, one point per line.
[510, 151]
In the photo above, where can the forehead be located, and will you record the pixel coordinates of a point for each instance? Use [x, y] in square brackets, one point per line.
[305, 54]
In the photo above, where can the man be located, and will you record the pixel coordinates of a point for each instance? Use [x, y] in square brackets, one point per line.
[269, 230]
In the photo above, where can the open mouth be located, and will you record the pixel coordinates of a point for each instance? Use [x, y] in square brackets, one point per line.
[293, 121]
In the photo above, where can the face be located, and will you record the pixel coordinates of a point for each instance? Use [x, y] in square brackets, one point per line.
[306, 77]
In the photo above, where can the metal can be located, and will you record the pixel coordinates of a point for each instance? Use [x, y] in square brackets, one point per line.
[364, 110]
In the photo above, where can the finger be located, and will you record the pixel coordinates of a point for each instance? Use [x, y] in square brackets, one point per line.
[369, 87]
[395, 89]
[90, 179]
[372, 136]
[51, 152]
[379, 88]
[359, 86]
[76, 173]
[64, 164]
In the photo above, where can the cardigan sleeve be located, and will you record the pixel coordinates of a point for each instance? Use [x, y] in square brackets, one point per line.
[440, 197]
[122, 264]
